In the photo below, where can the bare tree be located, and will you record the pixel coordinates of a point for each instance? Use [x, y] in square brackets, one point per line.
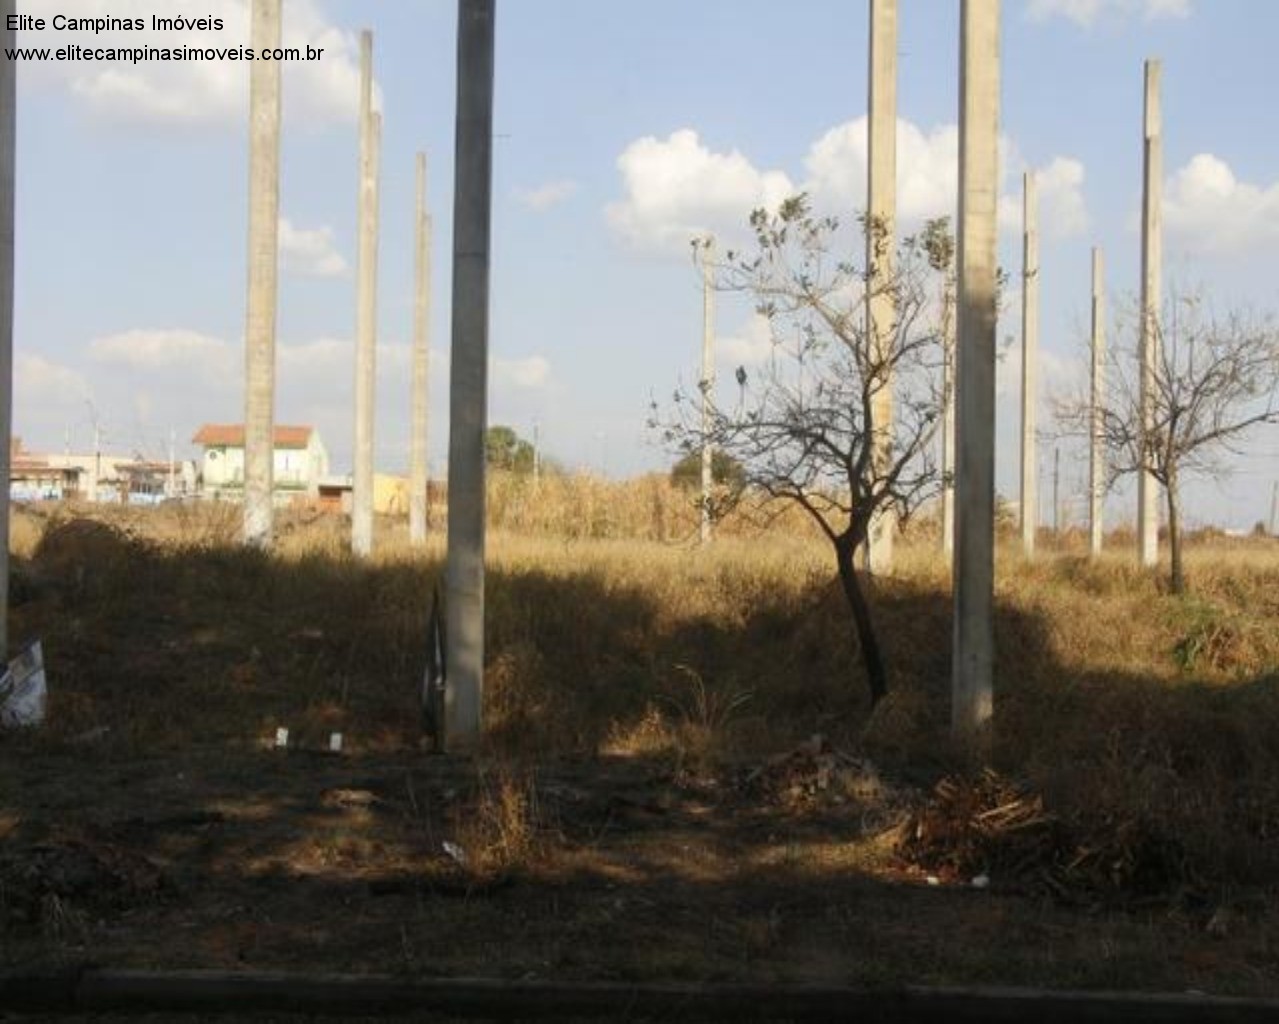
[1215, 381]
[803, 423]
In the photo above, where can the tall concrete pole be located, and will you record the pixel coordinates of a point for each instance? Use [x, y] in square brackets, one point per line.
[366, 310]
[707, 384]
[1274, 509]
[418, 451]
[468, 384]
[948, 421]
[881, 211]
[974, 574]
[264, 228]
[1151, 266]
[1096, 457]
[95, 467]
[8, 159]
[1029, 362]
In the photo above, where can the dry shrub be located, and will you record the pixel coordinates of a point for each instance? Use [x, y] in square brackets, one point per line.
[501, 829]
[582, 506]
[26, 527]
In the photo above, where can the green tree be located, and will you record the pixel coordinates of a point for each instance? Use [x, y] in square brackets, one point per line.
[726, 472]
[504, 449]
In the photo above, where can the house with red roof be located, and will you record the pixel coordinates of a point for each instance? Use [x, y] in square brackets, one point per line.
[300, 461]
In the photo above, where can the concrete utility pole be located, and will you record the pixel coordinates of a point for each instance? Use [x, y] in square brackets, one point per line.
[264, 229]
[537, 454]
[366, 308]
[974, 574]
[1274, 510]
[948, 420]
[173, 464]
[8, 160]
[95, 469]
[468, 384]
[707, 384]
[1151, 263]
[1029, 361]
[881, 211]
[419, 460]
[1057, 516]
[1096, 456]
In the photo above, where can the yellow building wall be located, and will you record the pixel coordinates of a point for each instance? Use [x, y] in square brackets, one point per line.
[390, 495]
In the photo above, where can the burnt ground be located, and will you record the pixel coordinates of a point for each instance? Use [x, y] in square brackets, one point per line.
[596, 869]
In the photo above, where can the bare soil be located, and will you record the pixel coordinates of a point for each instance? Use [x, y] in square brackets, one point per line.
[625, 869]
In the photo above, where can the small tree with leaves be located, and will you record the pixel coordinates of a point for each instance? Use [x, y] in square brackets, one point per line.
[504, 449]
[1215, 380]
[801, 425]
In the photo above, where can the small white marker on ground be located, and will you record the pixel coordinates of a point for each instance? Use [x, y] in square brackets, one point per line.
[281, 737]
[335, 742]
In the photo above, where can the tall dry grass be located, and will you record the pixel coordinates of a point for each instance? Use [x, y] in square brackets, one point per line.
[1119, 700]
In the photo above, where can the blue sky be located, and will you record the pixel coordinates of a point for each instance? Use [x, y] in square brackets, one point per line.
[622, 128]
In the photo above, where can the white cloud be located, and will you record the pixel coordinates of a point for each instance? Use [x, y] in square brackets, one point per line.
[1058, 377]
[527, 373]
[927, 169]
[1062, 209]
[323, 355]
[928, 177]
[1167, 9]
[1206, 206]
[310, 251]
[1087, 13]
[38, 380]
[751, 346]
[150, 351]
[196, 91]
[544, 197]
[676, 188]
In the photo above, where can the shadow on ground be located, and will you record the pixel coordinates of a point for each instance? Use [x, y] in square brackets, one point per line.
[614, 826]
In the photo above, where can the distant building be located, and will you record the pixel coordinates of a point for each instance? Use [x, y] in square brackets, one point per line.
[300, 461]
[67, 476]
[33, 478]
[390, 494]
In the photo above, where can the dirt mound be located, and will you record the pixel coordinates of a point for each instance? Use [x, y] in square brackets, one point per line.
[56, 885]
[76, 548]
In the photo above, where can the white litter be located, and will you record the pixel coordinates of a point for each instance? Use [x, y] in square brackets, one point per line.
[23, 690]
[457, 853]
[281, 737]
[335, 742]
[981, 882]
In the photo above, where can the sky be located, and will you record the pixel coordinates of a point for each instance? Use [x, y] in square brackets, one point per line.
[622, 130]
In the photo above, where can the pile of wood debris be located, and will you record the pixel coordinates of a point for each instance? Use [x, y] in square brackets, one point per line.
[815, 773]
[989, 827]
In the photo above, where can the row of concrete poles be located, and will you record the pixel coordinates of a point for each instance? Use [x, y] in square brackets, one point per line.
[972, 447]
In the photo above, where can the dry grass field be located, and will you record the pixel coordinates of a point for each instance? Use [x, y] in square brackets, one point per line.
[681, 779]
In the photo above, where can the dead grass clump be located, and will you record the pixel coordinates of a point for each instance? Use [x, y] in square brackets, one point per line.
[26, 527]
[500, 830]
[702, 716]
